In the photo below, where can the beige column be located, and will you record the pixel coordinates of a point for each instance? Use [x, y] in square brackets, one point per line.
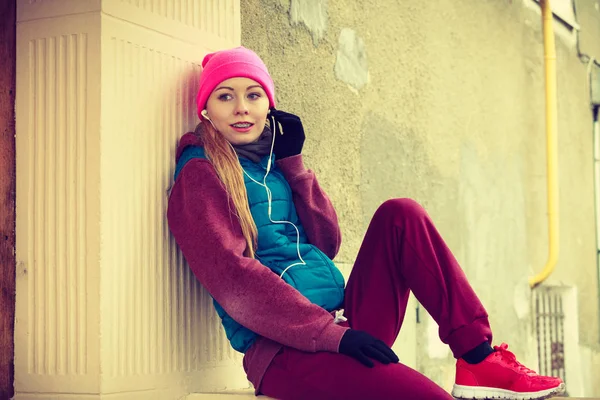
[106, 306]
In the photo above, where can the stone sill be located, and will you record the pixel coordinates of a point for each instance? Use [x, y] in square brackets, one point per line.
[249, 394]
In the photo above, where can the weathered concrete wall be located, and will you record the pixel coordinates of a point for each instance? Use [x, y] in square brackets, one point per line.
[588, 16]
[444, 103]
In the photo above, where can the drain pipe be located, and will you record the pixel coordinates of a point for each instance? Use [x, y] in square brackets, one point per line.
[596, 114]
[551, 145]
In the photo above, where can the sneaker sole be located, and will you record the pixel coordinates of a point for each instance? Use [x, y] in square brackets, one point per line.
[485, 393]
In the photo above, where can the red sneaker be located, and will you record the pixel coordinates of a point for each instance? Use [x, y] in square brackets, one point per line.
[501, 376]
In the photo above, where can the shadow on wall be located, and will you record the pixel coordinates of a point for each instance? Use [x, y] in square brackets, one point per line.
[480, 213]
[394, 164]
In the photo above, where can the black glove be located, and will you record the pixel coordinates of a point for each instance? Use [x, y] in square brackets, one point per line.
[360, 345]
[288, 142]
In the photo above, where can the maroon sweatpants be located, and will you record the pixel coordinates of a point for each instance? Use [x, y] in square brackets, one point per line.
[401, 251]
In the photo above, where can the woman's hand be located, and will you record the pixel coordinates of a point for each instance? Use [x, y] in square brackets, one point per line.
[362, 346]
[289, 134]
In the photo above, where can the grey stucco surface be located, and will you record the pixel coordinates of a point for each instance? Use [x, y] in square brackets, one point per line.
[452, 116]
[588, 17]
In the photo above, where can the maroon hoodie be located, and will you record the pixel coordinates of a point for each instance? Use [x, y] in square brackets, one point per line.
[210, 237]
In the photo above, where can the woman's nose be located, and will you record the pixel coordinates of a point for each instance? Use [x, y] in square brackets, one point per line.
[241, 107]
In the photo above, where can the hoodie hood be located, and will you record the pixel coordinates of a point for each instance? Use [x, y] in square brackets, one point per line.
[187, 140]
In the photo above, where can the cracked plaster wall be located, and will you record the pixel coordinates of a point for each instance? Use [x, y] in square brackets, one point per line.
[448, 111]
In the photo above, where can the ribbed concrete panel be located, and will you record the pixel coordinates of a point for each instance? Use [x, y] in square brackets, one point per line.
[212, 23]
[56, 212]
[157, 302]
[159, 322]
[106, 305]
[28, 10]
[148, 273]
[56, 208]
[206, 15]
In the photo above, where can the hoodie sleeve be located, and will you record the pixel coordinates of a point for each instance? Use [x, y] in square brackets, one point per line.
[210, 237]
[313, 206]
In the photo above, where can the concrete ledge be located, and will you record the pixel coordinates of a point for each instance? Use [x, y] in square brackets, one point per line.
[247, 394]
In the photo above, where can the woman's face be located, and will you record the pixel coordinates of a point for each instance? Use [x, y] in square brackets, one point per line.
[238, 109]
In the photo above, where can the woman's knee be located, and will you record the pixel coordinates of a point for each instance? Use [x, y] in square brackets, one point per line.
[403, 207]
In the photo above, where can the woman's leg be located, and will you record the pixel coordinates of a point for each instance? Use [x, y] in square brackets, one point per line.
[402, 250]
[296, 375]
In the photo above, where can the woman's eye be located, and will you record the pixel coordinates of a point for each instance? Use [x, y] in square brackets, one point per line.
[254, 96]
[225, 97]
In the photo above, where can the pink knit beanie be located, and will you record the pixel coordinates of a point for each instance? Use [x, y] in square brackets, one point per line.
[232, 63]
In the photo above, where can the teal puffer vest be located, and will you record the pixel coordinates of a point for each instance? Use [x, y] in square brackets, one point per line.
[319, 280]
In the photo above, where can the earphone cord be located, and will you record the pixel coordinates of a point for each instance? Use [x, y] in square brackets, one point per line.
[270, 198]
[264, 184]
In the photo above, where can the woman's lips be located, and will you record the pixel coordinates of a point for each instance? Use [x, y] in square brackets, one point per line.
[242, 127]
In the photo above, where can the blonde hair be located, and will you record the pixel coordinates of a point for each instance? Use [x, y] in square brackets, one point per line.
[225, 161]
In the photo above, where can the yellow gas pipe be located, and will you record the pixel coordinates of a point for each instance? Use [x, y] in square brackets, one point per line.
[551, 144]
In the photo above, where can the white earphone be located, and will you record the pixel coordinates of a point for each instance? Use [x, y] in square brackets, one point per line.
[204, 113]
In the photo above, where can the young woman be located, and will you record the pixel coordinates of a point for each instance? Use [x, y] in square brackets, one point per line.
[259, 233]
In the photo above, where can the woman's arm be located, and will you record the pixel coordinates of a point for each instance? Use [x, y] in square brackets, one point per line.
[313, 206]
[211, 240]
